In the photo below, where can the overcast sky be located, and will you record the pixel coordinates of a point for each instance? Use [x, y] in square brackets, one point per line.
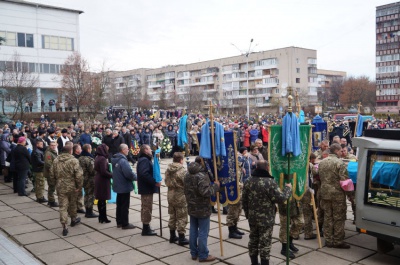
[130, 34]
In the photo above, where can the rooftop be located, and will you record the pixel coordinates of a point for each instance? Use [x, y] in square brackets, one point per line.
[22, 2]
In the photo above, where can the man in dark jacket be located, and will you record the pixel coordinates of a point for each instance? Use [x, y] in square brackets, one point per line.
[85, 138]
[22, 160]
[122, 185]
[37, 169]
[198, 192]
[147, 187]
[260, 193]
[117, 140]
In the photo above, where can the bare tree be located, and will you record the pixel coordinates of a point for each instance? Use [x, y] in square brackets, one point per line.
[2, 40]
[195, 99]
[163, 103]
[99, 83]
[19, 84]
[145, 102]
[333, 93]
[358, 89]
[76, 82]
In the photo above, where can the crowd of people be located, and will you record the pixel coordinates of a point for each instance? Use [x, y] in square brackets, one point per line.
[97, 155]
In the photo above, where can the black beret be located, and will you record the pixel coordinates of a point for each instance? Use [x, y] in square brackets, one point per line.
[64, 131]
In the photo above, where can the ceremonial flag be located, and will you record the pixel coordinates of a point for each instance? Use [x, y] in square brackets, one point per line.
[182, 133]
[318, 132]
[227, 167]
[278, 163]
[156, 166]
[301, 116]
[359, 125]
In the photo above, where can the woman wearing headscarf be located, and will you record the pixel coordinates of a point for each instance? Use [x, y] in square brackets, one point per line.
[102, 185]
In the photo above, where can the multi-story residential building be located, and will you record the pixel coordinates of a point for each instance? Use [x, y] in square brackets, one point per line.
[42, 36]
[224, 81]
[326, 81]
[388, 58]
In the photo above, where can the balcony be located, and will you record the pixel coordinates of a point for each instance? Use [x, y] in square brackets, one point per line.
[267, 85]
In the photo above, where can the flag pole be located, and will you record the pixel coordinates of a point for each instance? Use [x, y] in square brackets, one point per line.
[216, 176]
[159, 197]
[290, 98]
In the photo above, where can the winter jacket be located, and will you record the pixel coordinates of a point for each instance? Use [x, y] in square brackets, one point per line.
[37, 158]
[115, 143]
[245, 163]
[253, 135]
[174, 179]
[146, 181]
[4, 149]
[246, 141]
[22, 158]
[198, 191]
[85, 139]
[122, 174]
[102, 185]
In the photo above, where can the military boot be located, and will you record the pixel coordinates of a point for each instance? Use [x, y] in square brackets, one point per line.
[292, 247]
[172, 238]
[182, 240]
[254, 260]
[237, 231]
[232, 233]
[264, 261]
[283, 251]
[147, 231]
[75, 221]
[52, 204]
[89, 213]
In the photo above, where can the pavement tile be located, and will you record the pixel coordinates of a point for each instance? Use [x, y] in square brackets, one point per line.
[6, 192]
[14, 199]
[138, 240]
[67, 256]
[154, 262]
[23, 228]
[354, 254]
[5, 208]
[215, 232]
[105, 248]
[44, 216]
[38, 209]
[162, 249]
[87, 239]
[89, 262]
[51, 224]
[380, 259]
[25, 205]
[50, 246]
[363, 240]
[130, 256]
[115, 232]
[230, 250]
[317, 257]
[183, 259]
[245, 259]
[73, 231]
[19, 220]
[34, 237]
[9, 214]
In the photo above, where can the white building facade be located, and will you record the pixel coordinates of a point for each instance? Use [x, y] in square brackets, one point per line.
[43, 36]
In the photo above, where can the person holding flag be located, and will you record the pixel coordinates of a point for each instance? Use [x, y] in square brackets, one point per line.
[147, 186]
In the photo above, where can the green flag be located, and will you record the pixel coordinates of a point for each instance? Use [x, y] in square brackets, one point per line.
[278, 164]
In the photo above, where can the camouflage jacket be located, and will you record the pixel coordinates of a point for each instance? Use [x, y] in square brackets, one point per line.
[67, 173]
[318, 154]
[174, 179]
[198, 191]
[49, 157]
[260, 193]
[331, 171]
[87, 165]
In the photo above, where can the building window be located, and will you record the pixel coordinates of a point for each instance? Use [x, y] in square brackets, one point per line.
[297, 60]
[57, 43]
[17, 39]
[297, 80]
[298, 70]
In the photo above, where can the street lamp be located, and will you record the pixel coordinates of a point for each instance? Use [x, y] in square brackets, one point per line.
[247, 75]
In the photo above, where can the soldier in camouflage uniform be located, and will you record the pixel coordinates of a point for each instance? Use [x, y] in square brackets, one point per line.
[333, 199]
[260, 193]
[351, 195]
[198, 192]
[37, 158]
[86, 162]
[177, 207]
[67, 174]
[49, 156]
[323, 146]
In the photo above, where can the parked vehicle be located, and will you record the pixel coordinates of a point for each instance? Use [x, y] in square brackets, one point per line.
[378, 186]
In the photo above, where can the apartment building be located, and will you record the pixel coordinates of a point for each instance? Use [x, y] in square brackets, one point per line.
[43, 36]
[388, 58]
[224, 82]
[326, 81]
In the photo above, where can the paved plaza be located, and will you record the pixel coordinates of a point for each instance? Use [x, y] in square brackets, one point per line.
[31, 234]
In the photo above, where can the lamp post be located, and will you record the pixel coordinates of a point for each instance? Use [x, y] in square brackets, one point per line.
[247, 74]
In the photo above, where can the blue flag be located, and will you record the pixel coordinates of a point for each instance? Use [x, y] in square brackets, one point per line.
[359, 125]
[290, 135]
[156, 167]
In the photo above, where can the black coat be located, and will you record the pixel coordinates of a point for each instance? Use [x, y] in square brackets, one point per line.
[22, 158]
[116, 142]
[37, 157]
[102, 184]
[146, 182]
